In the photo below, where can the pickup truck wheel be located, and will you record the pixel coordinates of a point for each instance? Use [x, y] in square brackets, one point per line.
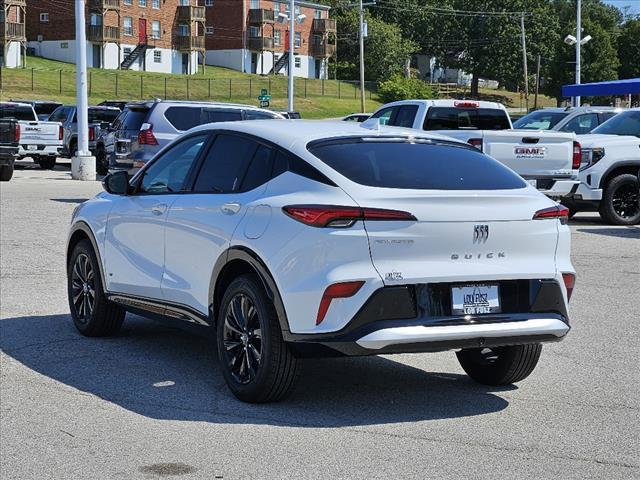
[92, 313]
[255, 361]
[500, 365]
[619, 205]
[46, 163]
[6, 172]
[102, 165]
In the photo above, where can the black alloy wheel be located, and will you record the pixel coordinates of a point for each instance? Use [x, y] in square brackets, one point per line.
[625, 201]
[242, 339]
[83, 288]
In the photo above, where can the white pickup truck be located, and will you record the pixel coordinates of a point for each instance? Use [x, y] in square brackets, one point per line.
[548, 160]
[610, 169]
[39, 140]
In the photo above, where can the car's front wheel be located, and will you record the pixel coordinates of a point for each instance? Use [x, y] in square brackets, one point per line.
[255, 361]
[619, 205]
[500, 365]
[93, 314]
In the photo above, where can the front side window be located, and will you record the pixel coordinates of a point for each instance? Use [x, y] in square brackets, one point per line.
[581, 124]
[417, 164]
[60, 114]
[167, 174]
[384, 115]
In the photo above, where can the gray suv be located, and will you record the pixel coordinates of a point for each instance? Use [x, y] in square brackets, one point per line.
[579, 120]
[144, 128]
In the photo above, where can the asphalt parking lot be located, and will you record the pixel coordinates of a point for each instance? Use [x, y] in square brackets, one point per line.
[152, 403]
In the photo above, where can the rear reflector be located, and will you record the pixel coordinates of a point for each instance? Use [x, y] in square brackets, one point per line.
[577, 155]
[16, 133]
[339, 216]
[466, 104]
[337, 290]
[476, 142]
[559, 211]
[569, 283]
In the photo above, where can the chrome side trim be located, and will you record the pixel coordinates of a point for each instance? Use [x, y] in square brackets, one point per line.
[152, 306]
[419, 334]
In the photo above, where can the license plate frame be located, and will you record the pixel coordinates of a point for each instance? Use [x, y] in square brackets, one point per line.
[475, 299]
[32, 147]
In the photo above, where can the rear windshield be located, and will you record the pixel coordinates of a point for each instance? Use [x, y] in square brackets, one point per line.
[539, 120]
[451, 118]
[45, 108]
[17, 112]
[99, 115]
[415, 165]
[133, 119]
[625, 123]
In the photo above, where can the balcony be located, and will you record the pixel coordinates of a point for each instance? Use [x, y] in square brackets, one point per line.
[192, 14]
[261, 15]
[102, 5]
[258, 44]
[323, 25]
[188, 43]
[16, 3]
[323, 50]
[12, 31]
[102, 34]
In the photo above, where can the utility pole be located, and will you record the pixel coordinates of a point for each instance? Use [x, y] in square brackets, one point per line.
[83, 165]
[578, 45]
[524, 61]
[292, 34]
[362, 92]
[535, 101]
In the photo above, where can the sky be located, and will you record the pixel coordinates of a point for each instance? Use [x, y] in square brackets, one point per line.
[634, 5]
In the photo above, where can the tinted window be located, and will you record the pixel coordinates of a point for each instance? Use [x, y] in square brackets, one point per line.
[384, 115]
[59, 115]
[100, 115]
[17, 112]
[215, 116]
[134, 119]
[405, 116]
[225, 164]
[451, 118]
[258, 115]
[184, 118]
[625, 123]
[416, 165]
[168, 173]
[45, 108]
[581, 124]
[604, 116]
[259, 171]
[540, 120]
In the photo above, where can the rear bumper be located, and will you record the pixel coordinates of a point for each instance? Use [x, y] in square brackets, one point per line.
[562, 189]
[40, 150]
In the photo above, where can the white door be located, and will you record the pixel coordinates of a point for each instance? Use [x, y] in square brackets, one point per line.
[134, 241]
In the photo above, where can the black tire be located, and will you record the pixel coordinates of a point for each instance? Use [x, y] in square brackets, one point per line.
[73, 146]
[46, 163]
[93, 315]
[6, 173]
[270, 369]
[102, 165]
[500, 365]
[619, 205]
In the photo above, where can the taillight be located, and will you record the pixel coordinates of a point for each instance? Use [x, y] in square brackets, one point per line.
[60, 132]
[337, 290]
[338, 216]
[476, 142]
[569, 282]
[577, 155]
[92, 134]
[559, 211]
[146, 136]
[16, 133]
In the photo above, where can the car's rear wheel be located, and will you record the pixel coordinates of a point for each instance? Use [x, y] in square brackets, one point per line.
[6, 173]
[619, 205]
[255, 361]
[102, 165]
[46, 163]
[500, 365]
[93, 314]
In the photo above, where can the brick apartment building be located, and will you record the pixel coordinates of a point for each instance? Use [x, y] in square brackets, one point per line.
[12, 33]
[152, 35]
[252, 35]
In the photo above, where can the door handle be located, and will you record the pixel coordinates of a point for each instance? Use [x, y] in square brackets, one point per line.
[230, 208]
[159, 209]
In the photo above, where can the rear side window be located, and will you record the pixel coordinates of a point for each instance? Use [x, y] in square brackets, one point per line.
[451, 118]
[225, 164]
[17, 112]
[215, 115]
[416, 165]
[184, 118]
[134, 119]
[259, 171]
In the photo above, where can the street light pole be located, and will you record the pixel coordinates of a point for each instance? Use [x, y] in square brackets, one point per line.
[83, 165]
[578, 45]
[292, 25]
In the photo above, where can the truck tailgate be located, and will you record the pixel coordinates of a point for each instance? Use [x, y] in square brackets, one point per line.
[8, 132]
[40, 133]
[532, 154]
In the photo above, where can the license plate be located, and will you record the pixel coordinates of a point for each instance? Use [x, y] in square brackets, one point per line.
[533, 183]
[475, 299]
[32, 147]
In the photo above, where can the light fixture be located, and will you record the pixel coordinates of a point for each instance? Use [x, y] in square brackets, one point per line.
[585, 39]
[570, 40]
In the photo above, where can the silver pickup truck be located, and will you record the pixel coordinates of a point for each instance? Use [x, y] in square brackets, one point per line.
[39, 140]
[548, 160]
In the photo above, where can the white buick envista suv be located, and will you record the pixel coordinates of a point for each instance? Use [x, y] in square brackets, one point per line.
[298, 238]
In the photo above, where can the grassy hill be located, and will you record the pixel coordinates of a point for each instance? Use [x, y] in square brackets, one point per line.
[53, 80]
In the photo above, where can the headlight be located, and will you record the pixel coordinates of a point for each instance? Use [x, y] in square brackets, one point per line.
[591, 156]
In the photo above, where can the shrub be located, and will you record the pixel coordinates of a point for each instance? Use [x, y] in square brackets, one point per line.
[399, 87]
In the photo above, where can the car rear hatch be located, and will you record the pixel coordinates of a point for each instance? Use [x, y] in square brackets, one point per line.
[7, 132]
[40, 133]
[127, 137]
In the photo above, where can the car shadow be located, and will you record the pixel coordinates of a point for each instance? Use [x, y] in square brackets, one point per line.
[620, 232]
[164, 372]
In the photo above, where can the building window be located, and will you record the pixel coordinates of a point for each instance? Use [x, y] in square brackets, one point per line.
[183, 30]
[254, 32]
[185, 3]
[297, 62]
[155, 4]
[155, 29]
[142, 3]
[277, 7]
[208, 3]
[157, 56]
[255, 4]
[64, 45]
[208, 30]
[298, 40]
[276, 37]
[95, 20]
[318, 13]
[44, 18]
[127, 2]
[127, 26]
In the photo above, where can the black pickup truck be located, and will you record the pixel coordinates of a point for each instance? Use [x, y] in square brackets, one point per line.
[9, 140]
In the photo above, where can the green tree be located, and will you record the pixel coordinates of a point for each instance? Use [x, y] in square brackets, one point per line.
[629, 49]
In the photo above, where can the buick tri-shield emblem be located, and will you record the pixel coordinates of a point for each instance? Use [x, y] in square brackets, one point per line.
[480, 233]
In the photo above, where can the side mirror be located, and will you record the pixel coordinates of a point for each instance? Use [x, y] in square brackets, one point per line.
[116, 183]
